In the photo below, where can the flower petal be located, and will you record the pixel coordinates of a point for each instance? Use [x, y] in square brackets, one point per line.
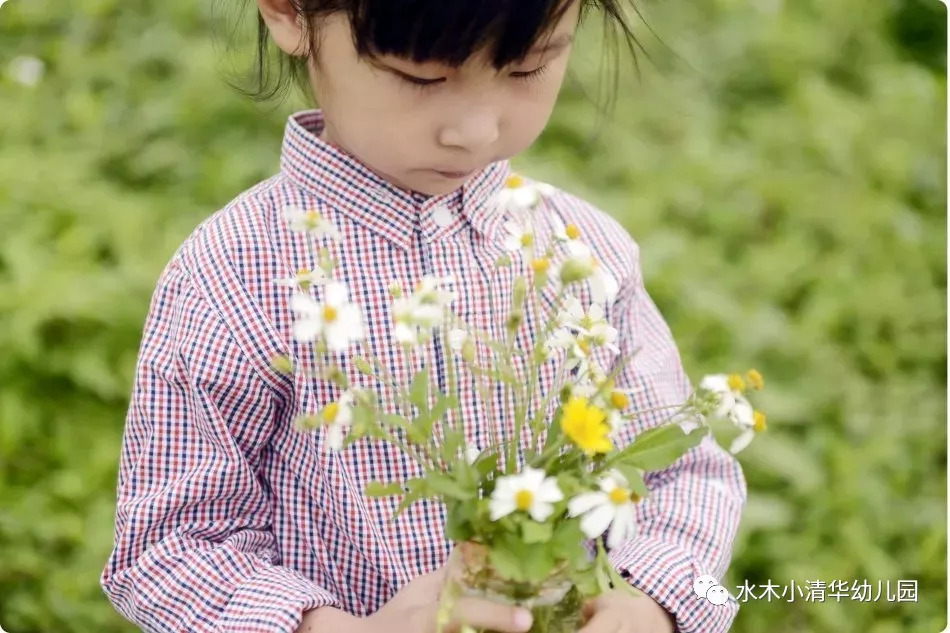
[540, 510]
[596, 521]
[584, 502]
[500, 507]
[740, 443]
[549, 491]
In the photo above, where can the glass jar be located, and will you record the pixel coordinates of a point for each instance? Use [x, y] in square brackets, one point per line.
[555, 603]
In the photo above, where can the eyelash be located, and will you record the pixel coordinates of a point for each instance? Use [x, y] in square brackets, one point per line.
[525, 76]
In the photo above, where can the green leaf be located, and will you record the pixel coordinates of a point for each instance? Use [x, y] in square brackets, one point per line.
[658, 448]
[537, 563]
[567, 542]
[416, 489]
[534, 532]
[379, 489]
[395, 420]
[443, 484]
[485, 464]
[506, 559]
[419, 390]
[458, 521]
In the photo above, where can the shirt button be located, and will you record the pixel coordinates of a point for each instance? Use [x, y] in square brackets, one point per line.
[442, 216]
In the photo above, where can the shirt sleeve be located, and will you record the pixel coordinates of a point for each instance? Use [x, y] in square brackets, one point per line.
[194, 550]
[686, 526]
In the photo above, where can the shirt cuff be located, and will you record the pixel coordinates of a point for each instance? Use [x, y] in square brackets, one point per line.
[665, 572]
[273, 599]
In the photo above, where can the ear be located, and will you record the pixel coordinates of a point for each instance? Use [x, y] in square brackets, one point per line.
[285, 24]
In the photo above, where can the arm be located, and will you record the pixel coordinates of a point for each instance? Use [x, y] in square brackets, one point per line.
[688, 523]
[193, 546]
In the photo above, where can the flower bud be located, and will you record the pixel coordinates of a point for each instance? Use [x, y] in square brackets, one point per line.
[281, 363]
[363, 366]
[306, 422]
[468, 351]
[575, 270]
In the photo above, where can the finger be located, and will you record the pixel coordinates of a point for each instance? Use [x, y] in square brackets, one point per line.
[485, 614]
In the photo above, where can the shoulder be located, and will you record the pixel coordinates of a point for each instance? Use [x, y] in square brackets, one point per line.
[231, 260]
[244, 244]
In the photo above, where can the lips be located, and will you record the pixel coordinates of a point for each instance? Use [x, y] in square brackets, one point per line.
[449, 173]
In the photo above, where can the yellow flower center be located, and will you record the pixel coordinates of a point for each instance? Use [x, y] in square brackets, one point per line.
[619, 496]
[572, 231]
[586, 426]
[527, 240]
[313, 217]
[330, 412]
[302, 272]
[736, 383]
[755, 379]
[329, 314]
[619, 400]
[586, 322]
[514, 181]
[584, 345]
[759, 421]
[524, 499]
[540, 265]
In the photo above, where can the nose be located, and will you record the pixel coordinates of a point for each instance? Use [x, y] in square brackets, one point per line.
[472, 129]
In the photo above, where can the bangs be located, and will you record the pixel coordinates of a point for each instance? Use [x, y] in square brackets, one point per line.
[451, 31]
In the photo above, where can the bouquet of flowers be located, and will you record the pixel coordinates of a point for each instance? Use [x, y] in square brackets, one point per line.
[523, 515]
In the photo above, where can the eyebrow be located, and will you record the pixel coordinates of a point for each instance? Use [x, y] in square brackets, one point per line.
[556, 43]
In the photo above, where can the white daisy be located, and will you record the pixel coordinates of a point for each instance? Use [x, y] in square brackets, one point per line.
[614, 505]
[304, 279]
[719, 385]
[337, 320]
[733, 406]
[310, 221]
[591, 323]
[519, 195]
[528, 491]
[578, 348]
[564, 233]
[417, 314]
[520, 236]
[580, 265]
[336, 418]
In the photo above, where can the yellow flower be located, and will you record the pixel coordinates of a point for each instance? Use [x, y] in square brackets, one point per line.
[759, 424]
[755, 379]
[586, 426]
[736, 383]
[541, 265]
[514, 181]
[619, 400]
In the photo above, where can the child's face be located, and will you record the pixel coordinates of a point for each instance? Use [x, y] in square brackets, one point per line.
[408, 134]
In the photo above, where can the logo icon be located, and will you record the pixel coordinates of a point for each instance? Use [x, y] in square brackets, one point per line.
[708, 588]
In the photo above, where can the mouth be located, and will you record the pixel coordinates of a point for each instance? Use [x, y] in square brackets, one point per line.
[454, 175]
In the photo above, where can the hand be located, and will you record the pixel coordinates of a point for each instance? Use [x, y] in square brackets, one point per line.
[618, 611]
[414, 609]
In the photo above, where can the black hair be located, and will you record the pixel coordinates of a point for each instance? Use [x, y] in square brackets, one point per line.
[447, 31]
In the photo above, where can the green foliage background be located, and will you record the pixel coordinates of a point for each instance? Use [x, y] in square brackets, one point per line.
[782, 165]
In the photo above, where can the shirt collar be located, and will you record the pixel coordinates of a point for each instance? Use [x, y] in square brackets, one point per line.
[341, 181]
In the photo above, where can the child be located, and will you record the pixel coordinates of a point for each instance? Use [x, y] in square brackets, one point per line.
[229, 518]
